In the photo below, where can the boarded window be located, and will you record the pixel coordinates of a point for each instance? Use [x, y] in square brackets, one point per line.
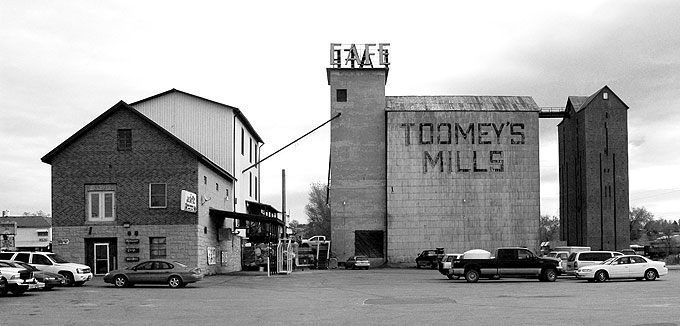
[369, 243]
[341, 95]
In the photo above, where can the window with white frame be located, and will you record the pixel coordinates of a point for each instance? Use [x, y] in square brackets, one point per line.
[101, 202]
[158, 195]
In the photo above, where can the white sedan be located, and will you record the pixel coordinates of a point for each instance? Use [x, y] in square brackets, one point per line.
[628, 266]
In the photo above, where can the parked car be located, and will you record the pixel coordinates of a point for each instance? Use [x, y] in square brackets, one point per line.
[627, 266]
[562, 257]
[19, 279]
[355, 262]
[445, 265]
[48, 278]
[156, 271]
[429, 258]
[76, 274]
[508, 262]
[3, 284]
[586, 258]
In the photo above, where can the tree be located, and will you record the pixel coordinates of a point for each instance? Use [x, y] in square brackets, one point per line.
[318, 212]
[549, 228]
[638, 218]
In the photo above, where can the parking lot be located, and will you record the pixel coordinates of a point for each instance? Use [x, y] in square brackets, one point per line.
[381, 296]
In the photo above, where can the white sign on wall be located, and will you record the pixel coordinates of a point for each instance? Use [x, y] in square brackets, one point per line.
[189, 200]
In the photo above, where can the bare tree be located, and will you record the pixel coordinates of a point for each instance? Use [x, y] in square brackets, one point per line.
[549, 228]
[318, 212]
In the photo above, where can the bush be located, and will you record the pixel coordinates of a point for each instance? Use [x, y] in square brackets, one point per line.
[672, 260]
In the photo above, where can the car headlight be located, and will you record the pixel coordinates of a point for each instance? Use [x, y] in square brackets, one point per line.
[13, 277]
[584, 270]
[80, 271]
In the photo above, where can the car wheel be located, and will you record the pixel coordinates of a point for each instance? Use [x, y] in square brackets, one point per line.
[417, 266]
[600, 276]
[174, 282]
[346, 266]
[472, 276]
[450, 276]
[70, 281]
[550, 275]
[650, 275]
[4, 291]
[120, 281]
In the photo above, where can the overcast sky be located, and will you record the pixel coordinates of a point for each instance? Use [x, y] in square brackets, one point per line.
[63, 63]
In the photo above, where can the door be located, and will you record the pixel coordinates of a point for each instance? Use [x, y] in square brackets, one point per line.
[101, 258]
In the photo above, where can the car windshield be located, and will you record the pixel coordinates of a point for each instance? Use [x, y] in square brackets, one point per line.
[58, 259]
[609, 261]
[180, 264]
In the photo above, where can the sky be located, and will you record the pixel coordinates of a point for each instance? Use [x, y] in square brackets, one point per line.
[64, 63]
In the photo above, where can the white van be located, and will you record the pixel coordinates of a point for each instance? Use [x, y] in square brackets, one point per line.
[586, 258]
[76, 274]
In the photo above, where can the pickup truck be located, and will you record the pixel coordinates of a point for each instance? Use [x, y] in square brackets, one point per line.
[508, 262]
[315, 240]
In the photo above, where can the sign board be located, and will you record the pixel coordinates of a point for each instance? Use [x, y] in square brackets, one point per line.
[131, 241]
[189, 200]
[212, 255]
[132, 250]
[7, 227]
[131, 259]
[359, 55]
[63, 241]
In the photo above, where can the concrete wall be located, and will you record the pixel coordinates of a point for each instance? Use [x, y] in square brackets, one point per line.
[460, 194]
[357, 195]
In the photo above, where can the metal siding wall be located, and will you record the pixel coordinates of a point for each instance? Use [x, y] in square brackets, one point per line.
[205, 126]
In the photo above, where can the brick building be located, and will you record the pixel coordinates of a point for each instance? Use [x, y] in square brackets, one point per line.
[159, 178]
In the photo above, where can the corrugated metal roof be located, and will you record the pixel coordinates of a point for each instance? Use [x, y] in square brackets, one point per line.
[461, 103]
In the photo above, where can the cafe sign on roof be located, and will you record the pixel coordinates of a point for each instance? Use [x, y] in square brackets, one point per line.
[359, 55]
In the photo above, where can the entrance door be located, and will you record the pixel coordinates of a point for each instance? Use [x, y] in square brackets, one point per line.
[101, 258]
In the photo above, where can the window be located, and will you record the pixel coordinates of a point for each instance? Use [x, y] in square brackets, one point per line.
[250, 185]
[101, 202]
[255, 188]
[43, 233]
[242, 140]
[227, 193]
[124, 139]
[41, 260]
[341, 95]
[157, 248]
[205, 180]
[157, 195]
[250, 151]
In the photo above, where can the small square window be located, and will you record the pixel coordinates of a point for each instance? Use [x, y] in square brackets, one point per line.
[217, 186]
[124, 139]
[341, 95]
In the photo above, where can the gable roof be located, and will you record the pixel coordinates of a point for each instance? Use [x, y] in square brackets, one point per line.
[124, 106]
[581, 102]
[238, 112]
[29, 221]
[461, 103]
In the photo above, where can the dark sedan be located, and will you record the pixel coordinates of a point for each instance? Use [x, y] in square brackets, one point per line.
[156, 271]
[357, 262]
[50, 279]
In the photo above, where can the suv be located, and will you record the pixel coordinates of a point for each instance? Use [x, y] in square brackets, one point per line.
[76, 274]
[445, 265]
[587, 258]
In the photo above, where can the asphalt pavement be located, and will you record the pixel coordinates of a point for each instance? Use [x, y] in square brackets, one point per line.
[379, 296]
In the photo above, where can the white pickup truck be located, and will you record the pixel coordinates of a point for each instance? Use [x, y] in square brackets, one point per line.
[315, 240]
